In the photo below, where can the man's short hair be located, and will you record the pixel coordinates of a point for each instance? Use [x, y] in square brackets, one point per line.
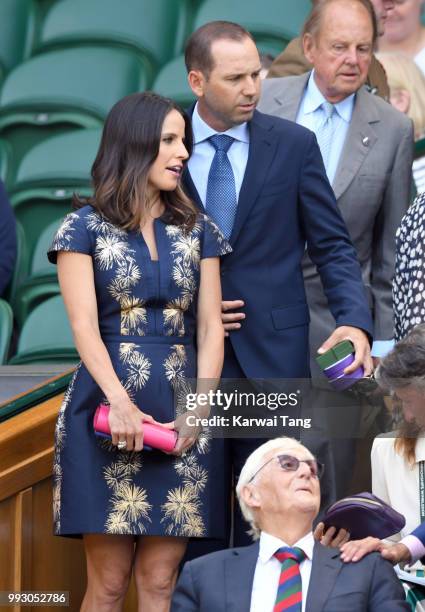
[254, 462]
[313, 21]
[197, 55]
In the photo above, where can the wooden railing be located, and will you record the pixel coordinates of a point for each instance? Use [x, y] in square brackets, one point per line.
[31, 557]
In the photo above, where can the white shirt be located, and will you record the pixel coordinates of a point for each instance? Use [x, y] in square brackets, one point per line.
[395, 481]
[203, 153]
[311, 116]
[267, 571]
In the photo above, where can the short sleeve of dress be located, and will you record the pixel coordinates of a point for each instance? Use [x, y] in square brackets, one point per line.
[214, 244]
[72, 235]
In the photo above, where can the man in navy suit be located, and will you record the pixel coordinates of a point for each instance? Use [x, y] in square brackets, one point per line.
[7, 240]
[275, 201]
[286, 569]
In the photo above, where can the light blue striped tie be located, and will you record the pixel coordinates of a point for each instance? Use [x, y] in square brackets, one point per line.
[325, 132]
[221, 202]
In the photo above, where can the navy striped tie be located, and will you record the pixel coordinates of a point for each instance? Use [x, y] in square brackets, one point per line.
[289, 592]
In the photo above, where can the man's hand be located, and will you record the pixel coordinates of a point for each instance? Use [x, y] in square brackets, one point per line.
[396, 553]
[331, 537]
[231, 319]
[361, 347]
[357, 549]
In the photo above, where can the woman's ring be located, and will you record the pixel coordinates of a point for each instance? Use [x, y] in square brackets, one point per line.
[122, 445]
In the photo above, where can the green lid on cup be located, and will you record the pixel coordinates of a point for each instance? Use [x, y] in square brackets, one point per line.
[335, 354]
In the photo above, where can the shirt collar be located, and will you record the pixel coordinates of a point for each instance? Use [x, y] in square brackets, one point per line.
[202, 131]
[270, 544]
[314, 99]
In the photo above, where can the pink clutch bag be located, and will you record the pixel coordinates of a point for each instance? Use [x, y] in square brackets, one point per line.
[154, 436]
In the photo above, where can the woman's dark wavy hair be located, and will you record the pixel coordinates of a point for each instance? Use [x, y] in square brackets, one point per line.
[403, 367]
[129, 146]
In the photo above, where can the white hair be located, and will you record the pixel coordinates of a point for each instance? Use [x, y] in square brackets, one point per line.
[254, 462]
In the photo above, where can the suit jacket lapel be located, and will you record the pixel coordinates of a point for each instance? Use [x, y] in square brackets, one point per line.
[287, 104]
[360, 139]
[239, 575]
[262, 148]
[324, 572]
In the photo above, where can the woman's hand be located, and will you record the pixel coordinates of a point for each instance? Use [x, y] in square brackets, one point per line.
[125, 422]
[357, 549]
[188, 430]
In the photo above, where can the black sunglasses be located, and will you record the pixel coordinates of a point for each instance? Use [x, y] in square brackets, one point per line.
[288, 463]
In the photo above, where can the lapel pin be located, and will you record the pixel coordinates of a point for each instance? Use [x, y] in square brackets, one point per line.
[365, 141]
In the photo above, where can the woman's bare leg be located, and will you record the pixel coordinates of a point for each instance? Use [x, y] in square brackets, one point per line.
[109, 565]
[156, 565]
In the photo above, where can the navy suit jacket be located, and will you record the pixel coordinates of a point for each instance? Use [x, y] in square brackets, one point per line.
[419, 532]
[285, 202]
[222, 582]
[7, 240]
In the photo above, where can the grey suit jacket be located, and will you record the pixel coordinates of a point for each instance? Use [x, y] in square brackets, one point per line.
[222, 582]
[372, 187]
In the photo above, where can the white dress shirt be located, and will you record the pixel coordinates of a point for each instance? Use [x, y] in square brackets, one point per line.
[395, 481]
[267, 571]
[311, 116]
[203, 153]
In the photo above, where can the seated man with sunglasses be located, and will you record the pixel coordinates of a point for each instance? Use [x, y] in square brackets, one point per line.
[285, 569]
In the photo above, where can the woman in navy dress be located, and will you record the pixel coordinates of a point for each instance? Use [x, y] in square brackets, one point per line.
[139, 272]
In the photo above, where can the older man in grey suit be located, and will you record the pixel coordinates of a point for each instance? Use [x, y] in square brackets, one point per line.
[367, 150]
[279, 494]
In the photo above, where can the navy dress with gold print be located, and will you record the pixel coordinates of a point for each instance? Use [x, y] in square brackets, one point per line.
[147, 320]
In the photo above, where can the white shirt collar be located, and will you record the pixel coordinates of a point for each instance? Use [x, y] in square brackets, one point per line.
[270, 544]
[314, 99]
[202, 131]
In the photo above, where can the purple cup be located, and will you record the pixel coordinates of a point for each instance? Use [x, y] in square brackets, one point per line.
[337, 369]
[345, 381]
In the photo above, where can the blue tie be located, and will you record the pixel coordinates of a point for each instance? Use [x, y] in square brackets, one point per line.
[221, 200]
[325, 133]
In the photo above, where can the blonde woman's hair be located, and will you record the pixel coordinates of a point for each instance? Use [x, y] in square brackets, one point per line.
[403, 73]
[254, 462]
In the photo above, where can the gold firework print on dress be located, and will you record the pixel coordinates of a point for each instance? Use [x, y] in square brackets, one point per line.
[60, 438]
[186, 252]
[129, 507]
[174, 364]
[181, 512]
[182, 388]
[65, 234]
[112, 252]
[133, 316]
